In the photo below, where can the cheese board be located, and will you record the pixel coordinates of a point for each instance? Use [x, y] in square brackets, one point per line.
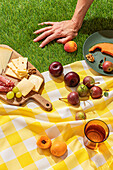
[10, 74]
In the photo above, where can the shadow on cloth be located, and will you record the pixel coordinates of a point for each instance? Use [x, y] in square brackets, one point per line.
[100, 157]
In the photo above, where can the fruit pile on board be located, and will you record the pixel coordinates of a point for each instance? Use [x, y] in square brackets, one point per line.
[84, 89]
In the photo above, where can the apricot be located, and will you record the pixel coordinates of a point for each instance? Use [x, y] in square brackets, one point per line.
[58, 148]
[44, 142]
[70, 46]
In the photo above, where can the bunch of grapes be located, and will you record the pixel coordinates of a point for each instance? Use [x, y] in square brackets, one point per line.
[15, 91]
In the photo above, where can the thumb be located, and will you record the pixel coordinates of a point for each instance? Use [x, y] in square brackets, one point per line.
[64, 40]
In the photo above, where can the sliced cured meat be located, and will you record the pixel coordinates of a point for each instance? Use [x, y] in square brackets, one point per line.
[5, 88]
[2, 84]
[105, 48]
[6, 81]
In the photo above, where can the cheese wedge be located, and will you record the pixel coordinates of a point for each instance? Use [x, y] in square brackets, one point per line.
[23, 75]
[37, 81]
[25, 86]
[15, 62]
[9, 72]
[13, 68]
[22, 71]
[22, 64]
[5, 55]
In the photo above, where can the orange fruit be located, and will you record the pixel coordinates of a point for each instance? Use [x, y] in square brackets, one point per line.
[58, 148]
[70, 46]
[44, 142]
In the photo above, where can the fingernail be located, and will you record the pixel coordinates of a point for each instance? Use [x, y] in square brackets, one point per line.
[41, 24]
[34, 40]
[34, 32]
[40, 45]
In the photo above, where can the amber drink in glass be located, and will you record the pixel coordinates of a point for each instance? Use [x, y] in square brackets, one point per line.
[96, 131]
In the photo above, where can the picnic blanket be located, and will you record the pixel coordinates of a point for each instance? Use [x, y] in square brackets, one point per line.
[20, 127]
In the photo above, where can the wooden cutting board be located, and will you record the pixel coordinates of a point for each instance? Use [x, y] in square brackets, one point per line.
[32, 95]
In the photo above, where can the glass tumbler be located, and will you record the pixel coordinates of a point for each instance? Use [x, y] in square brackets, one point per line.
[96, 131]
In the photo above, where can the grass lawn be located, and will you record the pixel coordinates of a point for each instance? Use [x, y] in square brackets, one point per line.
[20, 18]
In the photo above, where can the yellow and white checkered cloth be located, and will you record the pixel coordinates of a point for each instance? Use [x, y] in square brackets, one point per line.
[20, 128]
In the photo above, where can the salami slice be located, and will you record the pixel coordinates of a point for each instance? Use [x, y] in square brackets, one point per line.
[5, 88]
[2, 84]
[6, 81]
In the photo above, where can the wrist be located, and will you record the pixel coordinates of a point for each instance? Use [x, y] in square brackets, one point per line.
[77, 24]
[79, 13]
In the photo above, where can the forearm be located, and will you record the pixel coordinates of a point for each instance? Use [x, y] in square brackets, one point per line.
[80, 11]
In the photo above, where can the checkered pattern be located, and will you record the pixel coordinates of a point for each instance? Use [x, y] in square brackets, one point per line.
[20, 128]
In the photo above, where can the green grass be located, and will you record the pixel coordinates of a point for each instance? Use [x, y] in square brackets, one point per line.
[19, 19]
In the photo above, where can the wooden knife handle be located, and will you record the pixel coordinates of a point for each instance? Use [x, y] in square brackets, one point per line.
[42, 101]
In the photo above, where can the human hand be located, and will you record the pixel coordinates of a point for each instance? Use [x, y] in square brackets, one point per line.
[63, 31]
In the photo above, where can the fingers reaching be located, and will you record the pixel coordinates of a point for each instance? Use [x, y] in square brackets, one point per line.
[42, 30]
[48, 39]
[64, 30]
[64, 40]
[46, 23]
[43, 35]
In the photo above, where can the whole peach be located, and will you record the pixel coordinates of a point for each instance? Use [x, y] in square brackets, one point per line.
[70, 46]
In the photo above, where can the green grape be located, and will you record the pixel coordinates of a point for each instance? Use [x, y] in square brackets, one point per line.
[10, 95]
[15, 89]
[18, 94]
